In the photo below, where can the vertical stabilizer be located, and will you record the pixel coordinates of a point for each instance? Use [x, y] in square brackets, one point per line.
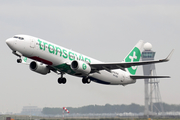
[134, 56]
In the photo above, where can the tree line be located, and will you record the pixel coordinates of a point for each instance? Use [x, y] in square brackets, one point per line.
[133, 108]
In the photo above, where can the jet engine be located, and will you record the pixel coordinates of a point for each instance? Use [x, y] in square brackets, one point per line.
[39, 68]
[80, 67]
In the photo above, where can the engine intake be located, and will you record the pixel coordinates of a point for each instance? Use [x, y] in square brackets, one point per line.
[39, 68]
[80, 67]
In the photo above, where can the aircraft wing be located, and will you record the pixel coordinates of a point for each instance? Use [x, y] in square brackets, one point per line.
[147, 77]
[122, 65]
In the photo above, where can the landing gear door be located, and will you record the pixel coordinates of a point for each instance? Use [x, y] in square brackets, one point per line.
[32, 43]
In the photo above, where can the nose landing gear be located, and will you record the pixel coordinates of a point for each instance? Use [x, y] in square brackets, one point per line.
[19, 55]
[19, 60]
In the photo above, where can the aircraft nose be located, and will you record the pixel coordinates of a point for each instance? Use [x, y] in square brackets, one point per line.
[10, 42]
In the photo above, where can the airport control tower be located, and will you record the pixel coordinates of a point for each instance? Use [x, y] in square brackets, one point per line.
[151, 87]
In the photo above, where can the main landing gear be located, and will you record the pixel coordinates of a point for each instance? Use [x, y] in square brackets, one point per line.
[61, 80]
[86, 80]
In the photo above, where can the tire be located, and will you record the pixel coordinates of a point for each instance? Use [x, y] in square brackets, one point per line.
[59, 80]
[19, 61]
[64, 80]
[88, 81]
[84, 81]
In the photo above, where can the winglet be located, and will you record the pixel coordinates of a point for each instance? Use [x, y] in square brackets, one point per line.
[169, 56]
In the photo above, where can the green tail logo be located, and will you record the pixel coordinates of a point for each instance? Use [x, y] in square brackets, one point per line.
[134, 56]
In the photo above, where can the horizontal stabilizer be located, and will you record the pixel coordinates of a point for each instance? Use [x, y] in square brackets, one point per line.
[146, 77]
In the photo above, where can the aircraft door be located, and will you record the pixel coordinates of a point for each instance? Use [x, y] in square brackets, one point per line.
[32, 46]
[32, 43]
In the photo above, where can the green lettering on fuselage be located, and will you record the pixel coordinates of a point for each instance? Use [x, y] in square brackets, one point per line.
[44, 45]
[88, 60]
[71, 56]
[40, 44]
[51, 48]
[65, 53]
[81, 58]
[62, 52]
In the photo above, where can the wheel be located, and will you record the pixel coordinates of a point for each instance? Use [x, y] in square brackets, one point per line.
[63, 80]
[86, 80]
[59, 80]
[19, 60]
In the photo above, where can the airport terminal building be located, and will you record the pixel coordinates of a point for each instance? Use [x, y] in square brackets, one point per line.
[31, 110]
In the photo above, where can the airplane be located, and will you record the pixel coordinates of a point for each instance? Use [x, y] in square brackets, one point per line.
[47, 57]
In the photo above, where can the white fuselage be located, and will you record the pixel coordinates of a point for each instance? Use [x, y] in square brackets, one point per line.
[59, 58]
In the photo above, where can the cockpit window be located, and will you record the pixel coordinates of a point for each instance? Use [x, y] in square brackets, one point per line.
[21, 38]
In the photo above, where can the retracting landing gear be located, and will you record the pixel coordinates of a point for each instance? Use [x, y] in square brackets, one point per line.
[86, 80]
[61, 80]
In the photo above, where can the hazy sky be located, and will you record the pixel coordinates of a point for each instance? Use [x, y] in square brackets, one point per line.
[103, 29]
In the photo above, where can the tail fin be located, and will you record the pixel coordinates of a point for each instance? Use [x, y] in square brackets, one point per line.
[134, 56]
